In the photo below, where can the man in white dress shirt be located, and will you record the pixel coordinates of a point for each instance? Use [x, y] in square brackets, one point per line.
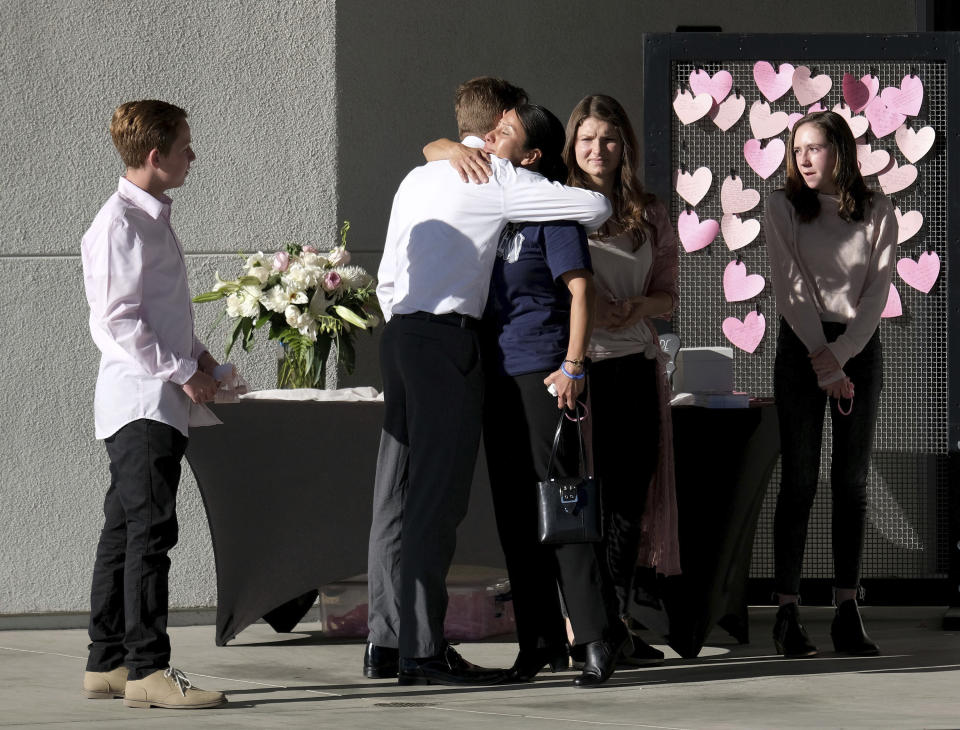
[433, 283]
[153, 370]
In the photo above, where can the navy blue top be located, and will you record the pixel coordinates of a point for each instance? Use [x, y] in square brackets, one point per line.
[528, 309]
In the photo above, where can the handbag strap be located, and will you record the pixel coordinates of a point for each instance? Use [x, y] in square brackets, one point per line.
[556, 440]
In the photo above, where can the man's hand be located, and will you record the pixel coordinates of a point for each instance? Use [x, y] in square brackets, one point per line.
[207, 363]
[201, 388]
[840, 389]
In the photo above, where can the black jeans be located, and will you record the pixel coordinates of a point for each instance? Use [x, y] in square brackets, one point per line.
[128, 598]
[800, 403]
[626, 445]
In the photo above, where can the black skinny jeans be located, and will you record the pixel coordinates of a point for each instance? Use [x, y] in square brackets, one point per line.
[800, 403]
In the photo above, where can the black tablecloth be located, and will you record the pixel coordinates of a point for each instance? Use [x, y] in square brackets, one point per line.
[287, 487]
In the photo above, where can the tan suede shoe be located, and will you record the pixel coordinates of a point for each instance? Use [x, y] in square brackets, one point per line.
[105, 685]
[169, 688]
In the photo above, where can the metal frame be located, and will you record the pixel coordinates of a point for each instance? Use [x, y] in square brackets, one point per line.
[661, 50]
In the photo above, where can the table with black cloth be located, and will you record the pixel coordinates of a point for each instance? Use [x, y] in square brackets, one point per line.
[288, 485]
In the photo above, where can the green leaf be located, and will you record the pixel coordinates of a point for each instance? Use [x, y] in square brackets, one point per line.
[247, 327]
[210, 296]
[264, 318]
[348, 315]
[346, 354]
[237, 331]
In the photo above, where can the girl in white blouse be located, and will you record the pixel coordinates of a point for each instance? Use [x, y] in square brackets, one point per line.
[831, 243]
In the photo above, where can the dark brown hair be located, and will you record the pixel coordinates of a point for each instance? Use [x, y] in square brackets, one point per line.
[853, 191]
[140, 126]
[629, 199]
[544, 132]
[479, 103]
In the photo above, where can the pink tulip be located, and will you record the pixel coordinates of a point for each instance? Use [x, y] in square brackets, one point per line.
[309, 249]
[281, 260]
[331, 281]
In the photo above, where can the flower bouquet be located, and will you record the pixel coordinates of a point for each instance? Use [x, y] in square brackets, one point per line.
[311, 300]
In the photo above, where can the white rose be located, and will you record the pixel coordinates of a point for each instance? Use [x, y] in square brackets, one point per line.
[234, 305]
[292, 315]
[298, 277]
[250, 307]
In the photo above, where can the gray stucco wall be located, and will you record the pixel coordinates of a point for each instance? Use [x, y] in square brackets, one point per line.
[303, 114]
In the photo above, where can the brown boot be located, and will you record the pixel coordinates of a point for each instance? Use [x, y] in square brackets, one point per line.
[105, 685]
[169, 688]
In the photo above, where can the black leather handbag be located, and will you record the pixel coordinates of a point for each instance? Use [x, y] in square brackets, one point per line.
[569, 508]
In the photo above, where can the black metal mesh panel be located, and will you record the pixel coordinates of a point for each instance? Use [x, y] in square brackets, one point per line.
[907, 486]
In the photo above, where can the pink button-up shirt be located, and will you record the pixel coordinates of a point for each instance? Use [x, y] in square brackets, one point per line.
[141, 316]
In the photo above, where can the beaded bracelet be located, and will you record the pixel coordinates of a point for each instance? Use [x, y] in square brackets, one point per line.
[569, 374]
[577, 363]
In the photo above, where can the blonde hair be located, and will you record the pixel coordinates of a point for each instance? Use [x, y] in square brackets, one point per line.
[140, 126]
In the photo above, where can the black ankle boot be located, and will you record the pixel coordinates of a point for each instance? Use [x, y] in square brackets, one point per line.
[601, 660]
[789, 636]
[848, 633]
[530, 661]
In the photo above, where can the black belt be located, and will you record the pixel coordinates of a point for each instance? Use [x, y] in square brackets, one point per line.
[452, 319]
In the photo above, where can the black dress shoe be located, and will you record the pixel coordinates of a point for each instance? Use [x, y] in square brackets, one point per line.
[638, 653]
[530, 661]
[601, 660]
[447, 667]
[848, 633]
[789, 636]
[380, 662]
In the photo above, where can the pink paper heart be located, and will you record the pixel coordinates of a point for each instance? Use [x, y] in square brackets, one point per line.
[897, 178]
[728, 112]
[738, 233]
[793, 119]
[692, 187]
[907, 224]
[738, 286]
[882, 118]
[807, 89]
[748, 334]
[773, 83]
[872, 161]
[907, 99]
[893, 307]
[695, 234]
[818, 107]
[764, 160]
[764, 123]
[921, 274]
[915, 145]
[690, 108]
[734, 198]
[856, 93]
[718, 85]
[858, 125]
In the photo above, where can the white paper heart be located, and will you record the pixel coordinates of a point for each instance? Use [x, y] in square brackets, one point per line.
[738, 286]
[907, 224]
[734, 198]
[764, 123]
[764, 160]
[914, 145]
[897, 178]
[921, 274]
[748, 334]
[858, 124]
[872, 161]
[695, 234]
[883, 119]
[738, 233]
[809, 89]
[893, 307]
[718, 85]
[773, 83]
[728, 112]
[907, 99]
[690, 108]
[692, 187]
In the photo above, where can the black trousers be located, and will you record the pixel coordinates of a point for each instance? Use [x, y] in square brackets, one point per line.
[800, 406]
[128, 597]
[433, 391]
[520, 419]
[626, 445]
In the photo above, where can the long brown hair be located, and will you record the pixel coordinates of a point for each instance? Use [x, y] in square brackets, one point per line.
[853, 191]
[629, 199]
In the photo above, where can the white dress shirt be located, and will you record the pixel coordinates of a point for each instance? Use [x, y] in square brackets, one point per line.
[442, 237]
[141, 316]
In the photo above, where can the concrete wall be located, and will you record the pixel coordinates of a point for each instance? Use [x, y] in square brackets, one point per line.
[303, 114]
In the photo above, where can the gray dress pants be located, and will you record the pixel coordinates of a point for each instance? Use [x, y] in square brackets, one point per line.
[433, 393]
